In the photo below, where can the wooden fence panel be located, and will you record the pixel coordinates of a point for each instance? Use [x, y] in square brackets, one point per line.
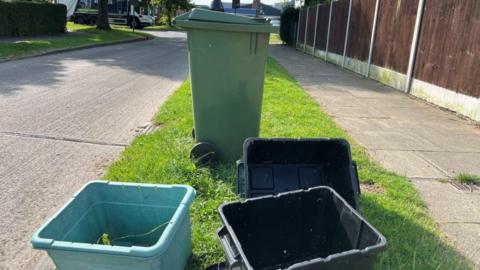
[393, 39]
[361, 23]
[322, 27]
[448, 53]
[338, 27]
[301, 24]
[311, 25]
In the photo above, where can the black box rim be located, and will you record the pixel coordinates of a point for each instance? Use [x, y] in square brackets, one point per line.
[377, 247]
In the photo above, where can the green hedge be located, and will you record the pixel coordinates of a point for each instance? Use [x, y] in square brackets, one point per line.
[31, 19]
[287, 20]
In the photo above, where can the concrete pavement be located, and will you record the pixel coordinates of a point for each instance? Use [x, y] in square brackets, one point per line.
[405, 135]
[64, 118]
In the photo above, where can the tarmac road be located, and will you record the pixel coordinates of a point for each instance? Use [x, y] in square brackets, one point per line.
[64, 118]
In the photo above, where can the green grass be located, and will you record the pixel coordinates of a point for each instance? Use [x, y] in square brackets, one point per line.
[275, 38]
[467, 178]
[82, 35]
[414, 241]
[163, 27]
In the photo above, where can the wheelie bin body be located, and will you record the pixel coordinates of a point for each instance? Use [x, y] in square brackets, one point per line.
[227, 57]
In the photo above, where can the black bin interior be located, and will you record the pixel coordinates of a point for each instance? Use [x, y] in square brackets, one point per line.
[277, 232]
[272, 166]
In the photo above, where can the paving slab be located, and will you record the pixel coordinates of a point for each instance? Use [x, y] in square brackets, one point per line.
[448, 161]
[419, 113]
[466, 238]
[407, 163]
[347, 110]
[400, 102]
[393, 140]
[449, 204]
[457, 212]
[460, 143]
[404, 134]
[358, 124]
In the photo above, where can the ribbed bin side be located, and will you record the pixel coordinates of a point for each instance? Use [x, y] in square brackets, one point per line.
[227, 94]
[312, 229]
[68, 260]
[227, 57]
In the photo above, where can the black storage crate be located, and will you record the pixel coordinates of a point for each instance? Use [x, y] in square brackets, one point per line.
[303, 229]
[271, 166]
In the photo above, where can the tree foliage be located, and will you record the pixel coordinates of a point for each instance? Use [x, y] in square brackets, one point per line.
[170, 6]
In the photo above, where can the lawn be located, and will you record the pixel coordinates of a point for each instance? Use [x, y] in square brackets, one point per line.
[414, 240]
[275, 38]
[163, 27]
[79, 36]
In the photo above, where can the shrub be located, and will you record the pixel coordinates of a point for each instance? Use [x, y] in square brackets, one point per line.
[32, 18]
[164, 20]
[287, 20]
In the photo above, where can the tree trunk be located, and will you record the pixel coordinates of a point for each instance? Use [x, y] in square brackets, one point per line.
[257, 6]
[102, 20]
[169, 17]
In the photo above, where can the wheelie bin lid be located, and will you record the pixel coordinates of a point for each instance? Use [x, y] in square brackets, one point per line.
[220, 21]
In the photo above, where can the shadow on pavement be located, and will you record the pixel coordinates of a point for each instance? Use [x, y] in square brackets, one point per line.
[163, 56]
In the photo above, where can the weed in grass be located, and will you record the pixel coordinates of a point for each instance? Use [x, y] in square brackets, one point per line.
[467, 178]
[443, 181]
[414, 240]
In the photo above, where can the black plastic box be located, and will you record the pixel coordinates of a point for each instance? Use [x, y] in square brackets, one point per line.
[303, 229]
[272, 166]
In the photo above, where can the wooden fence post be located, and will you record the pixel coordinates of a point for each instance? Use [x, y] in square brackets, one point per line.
[413, 48]
[298, 27]
[315, 34]
[305, 36]
[328, 31]
[347, 31]
[372, 38]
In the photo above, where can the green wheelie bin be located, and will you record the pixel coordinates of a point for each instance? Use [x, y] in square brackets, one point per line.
[227, 55]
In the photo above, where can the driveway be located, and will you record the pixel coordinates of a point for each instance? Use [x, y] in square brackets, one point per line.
[64, 118]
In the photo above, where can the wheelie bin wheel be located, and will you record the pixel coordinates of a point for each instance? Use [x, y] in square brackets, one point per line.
[203, 153]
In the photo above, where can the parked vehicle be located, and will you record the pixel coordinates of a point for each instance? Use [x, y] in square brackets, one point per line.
[119, 12]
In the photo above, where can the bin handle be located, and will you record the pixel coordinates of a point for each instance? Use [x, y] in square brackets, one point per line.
[241, 181]
[253, 43]
[357, 180]
[227, 248]
[356, 186]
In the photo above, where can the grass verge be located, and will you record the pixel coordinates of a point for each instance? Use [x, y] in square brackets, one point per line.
[414, 241]
[79, 36]
[275, 38]
[163, 27]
